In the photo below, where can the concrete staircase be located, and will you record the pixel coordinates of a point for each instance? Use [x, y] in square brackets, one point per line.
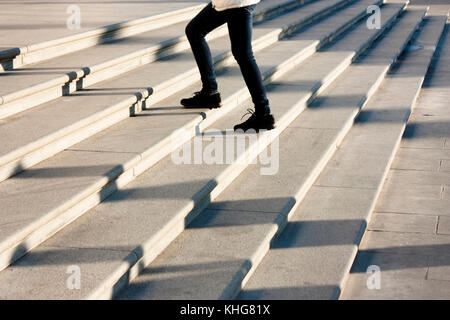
[89, 177]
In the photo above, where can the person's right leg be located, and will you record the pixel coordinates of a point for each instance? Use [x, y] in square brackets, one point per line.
[240, 26]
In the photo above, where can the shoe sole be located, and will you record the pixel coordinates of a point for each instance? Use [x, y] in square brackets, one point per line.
[257, 130]
[189, 106]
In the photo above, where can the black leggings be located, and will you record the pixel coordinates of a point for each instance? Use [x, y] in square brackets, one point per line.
[240, 24]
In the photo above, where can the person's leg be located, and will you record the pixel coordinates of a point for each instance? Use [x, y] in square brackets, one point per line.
[207, 20]
[240, 26]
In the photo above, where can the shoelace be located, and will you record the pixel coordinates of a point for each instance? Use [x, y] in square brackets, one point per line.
[251, 112]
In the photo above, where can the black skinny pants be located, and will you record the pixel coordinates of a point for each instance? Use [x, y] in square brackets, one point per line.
[240, 25]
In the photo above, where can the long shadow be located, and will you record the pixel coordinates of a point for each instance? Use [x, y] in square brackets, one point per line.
[44, 256]
[402, 257]
[161, 114]
[319, 233]
[388, 115]
[172, 287]
[70, 172]
[437, 61]
[134, 39]
[307, 292]
[163, 191]
[46, 26]
[154, 270]
[434, 129]
[240, 217]
[21, 72]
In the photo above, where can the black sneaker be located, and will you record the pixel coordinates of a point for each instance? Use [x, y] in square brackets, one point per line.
[256, 122]
[202, 100]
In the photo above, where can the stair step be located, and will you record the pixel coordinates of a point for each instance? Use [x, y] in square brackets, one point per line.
[73, 118]
[11, 58]
[118, 224]
[322, 237]
[25, 88]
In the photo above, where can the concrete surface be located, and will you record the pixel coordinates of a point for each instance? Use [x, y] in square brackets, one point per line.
[409, 229]
[408, 236]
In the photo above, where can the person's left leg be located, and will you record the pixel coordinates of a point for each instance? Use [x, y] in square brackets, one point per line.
[240, 25]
